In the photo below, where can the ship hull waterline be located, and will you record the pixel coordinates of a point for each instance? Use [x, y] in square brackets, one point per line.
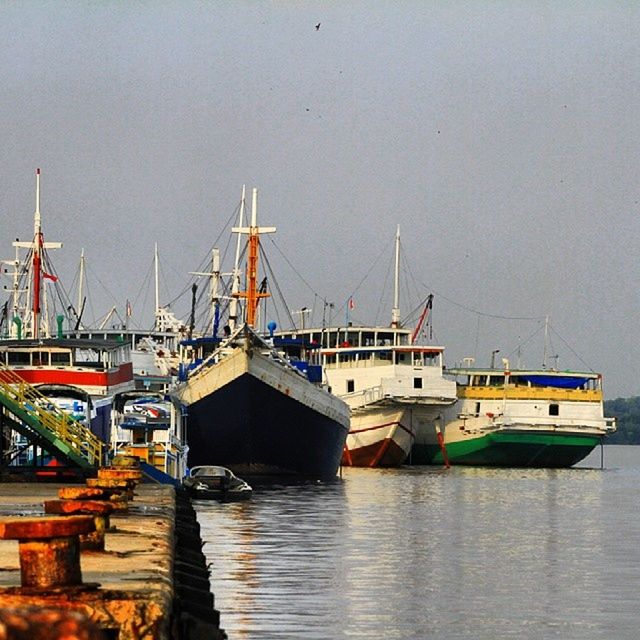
[512, 449]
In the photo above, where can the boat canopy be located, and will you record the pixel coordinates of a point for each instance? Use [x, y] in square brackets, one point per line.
[562, 382]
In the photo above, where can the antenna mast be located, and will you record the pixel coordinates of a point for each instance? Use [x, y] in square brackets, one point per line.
[395, 312]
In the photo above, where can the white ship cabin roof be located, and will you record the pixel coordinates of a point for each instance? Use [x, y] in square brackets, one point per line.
[366, 346]
[360, 337]
[60, 352]
[479, 377]
[137, 339]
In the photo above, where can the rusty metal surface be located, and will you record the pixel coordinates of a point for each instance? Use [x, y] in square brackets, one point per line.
[45, 564]
[35, 623]
[41, 528]
[80, 493]
[68, 507]
[111, 473]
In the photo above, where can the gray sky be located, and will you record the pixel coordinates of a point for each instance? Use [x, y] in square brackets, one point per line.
[503, 138]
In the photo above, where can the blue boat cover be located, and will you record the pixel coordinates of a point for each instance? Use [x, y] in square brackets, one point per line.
[563, 382]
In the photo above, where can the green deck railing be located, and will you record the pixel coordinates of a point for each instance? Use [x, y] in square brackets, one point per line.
[42, 422]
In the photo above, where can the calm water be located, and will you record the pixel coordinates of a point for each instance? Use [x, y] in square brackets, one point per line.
[429, 553]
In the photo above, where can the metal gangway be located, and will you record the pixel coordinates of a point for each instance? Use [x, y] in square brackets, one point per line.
[35, 417]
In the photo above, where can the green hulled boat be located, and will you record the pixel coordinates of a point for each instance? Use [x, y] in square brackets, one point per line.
[521, 418]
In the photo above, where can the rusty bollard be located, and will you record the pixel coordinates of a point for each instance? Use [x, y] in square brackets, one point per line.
[49, 549]
[124, 461]
[113, 473]
[118, 491]
[115, 497]
[99, 509]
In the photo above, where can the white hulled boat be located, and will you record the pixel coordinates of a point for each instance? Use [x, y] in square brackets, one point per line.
[394, 387]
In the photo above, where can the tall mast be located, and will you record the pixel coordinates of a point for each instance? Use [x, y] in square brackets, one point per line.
[156, 281]
[80, 281]
[395, 312]
[252, 294]
[36, 246]
[215, 293]
[37, 260]
[546, 342]
[235, 282]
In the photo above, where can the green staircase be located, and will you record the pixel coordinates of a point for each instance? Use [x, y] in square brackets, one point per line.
[36, 418]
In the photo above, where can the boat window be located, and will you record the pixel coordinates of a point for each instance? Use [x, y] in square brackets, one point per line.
[61, 358]
[350, 386]
[40, 358]
[477, 409]
[330, 360]
[18, 357]
[401, 358]
[496, 381]
[554, 409]
[417, 383]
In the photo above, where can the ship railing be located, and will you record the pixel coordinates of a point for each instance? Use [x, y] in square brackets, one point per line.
[48, 416]
[364, 397]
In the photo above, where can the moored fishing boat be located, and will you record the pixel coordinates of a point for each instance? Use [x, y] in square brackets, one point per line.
[521, 418]
[249, 408]
[393, 385]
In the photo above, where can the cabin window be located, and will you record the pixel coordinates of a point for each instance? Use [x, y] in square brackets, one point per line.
[554, 409]
[417, 383]
[351, 386]
[40, 358]
[401, 358]
[60, 358]
[477, 408]
[18, 357]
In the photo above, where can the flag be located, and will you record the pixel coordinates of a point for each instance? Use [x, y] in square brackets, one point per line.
[49, 276]
[351, 304]
[128, 309]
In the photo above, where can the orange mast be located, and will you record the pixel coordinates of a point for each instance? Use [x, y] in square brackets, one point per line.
[252, 294]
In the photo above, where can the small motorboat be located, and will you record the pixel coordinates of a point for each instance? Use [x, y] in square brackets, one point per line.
[216, 483]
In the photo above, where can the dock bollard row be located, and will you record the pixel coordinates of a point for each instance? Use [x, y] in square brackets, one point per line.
[51, 548]
[50, 572]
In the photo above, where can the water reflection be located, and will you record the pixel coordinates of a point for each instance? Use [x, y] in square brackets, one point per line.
[426, 553]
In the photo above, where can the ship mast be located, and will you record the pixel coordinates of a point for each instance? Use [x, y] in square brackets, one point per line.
[235, 282]
[252, 294]
[395, 312]
[37, 246]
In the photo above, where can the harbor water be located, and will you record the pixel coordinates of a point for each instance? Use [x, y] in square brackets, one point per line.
[424, 552]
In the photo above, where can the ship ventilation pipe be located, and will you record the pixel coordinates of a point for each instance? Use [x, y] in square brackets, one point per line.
[272, 327]
[59, 322]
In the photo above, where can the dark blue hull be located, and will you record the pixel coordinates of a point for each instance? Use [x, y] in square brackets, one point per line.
[252, 428]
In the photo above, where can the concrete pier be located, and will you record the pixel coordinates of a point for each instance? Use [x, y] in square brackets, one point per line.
[141, 587]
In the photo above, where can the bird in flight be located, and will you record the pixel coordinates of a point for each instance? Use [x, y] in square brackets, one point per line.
[318, 26]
